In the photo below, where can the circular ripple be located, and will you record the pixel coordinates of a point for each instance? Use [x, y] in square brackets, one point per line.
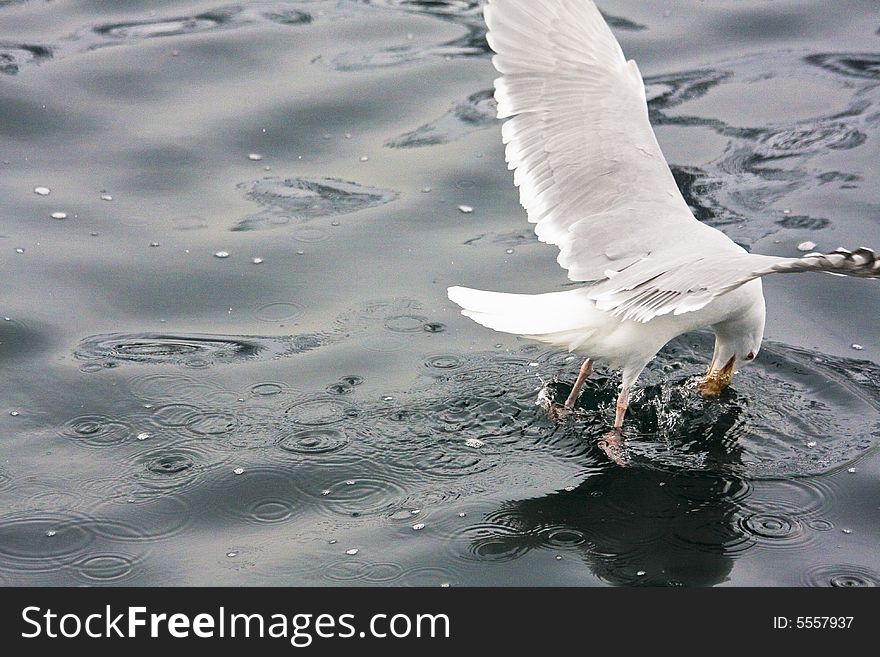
[310, 234]
[820, 525]
[364, 496]
[267, 389]
[278, 312]
[171, 387]
[213, 423]
[97, 431]
[261, 495]
[780, 529]
[42, 542]
[348, 570]
[271, 510]
[174, 467]
[142, 517]
[842, 576]
[386, 308]
[345, 570]
[563, 538]
[406, 323]
[314, 441]
[320, 411]
[489, 542]
[444, 362]
[803, 498]
[426, 576]
[169, 464]
[176, 415]
[105, 567]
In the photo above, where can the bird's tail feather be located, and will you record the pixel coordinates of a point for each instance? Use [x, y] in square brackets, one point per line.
[532, 315]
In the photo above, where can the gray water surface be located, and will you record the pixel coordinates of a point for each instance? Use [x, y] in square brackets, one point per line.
[232, 361]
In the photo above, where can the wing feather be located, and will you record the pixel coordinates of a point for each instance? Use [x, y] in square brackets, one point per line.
[591, 174]
[687, 285]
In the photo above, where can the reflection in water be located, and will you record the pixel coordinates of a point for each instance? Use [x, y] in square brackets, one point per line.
[15, 55]
[475, 112]
[762, 165]
[465, 13]
[630, 526]
[284, 199]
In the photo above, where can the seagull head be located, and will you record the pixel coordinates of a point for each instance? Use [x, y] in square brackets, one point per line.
[737, 343]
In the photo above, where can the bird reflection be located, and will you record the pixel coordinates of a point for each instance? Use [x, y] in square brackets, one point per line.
[668, 518]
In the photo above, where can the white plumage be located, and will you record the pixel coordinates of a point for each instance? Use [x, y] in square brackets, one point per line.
[594, 181]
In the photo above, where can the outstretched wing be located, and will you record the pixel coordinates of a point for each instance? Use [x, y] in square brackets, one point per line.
[590, 172]
[688, 285]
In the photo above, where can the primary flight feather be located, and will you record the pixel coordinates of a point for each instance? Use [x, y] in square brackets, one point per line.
[594, 181]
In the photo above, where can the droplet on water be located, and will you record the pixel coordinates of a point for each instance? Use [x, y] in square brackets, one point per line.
[811, 444]
[846, 531]
[19, 250]
[51, 533]
[256, 157]
[59, 215]
[238, 471]
[13, 413]
[418, 526]
[857, 347]
[42, 191]
[462, 514]
[466, 209]
[257, 261]
[154, 244]
[221, 254]
[365, 158]
[851, 470]
[352, 552]
[806, 246]
[144, 435]
[476, 443]
[231, 554]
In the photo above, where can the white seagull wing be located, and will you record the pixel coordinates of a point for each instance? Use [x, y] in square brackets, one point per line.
[589, 168]
[689, 284]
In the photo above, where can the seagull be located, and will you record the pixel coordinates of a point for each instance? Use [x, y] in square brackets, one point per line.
[594, 182]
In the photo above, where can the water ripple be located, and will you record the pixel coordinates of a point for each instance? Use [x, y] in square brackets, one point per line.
[842, 576]
[42, 542]
[15, 55]
[195, 350]
[307, 198]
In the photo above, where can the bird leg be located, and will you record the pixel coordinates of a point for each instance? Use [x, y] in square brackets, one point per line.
[612, 442]
[620, 407]
[585, 371]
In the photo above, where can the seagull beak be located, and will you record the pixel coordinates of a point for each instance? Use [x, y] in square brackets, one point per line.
[717, 380]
